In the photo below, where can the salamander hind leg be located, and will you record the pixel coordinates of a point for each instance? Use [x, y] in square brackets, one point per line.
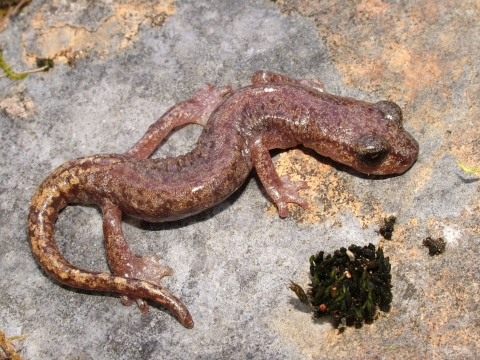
[123, 262]
[266, 77]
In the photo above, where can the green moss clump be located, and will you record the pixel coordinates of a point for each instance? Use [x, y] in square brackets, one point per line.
[350, 284]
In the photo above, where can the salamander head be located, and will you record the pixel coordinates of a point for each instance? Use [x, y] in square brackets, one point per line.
[391, 151]
[368, 137]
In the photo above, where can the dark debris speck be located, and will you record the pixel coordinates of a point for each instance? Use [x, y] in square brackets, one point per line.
[386, 230]
[435, 246]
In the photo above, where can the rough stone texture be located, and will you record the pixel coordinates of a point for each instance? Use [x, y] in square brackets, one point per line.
[119, 65]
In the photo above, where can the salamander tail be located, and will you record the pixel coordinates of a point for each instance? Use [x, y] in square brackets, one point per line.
[44, 208]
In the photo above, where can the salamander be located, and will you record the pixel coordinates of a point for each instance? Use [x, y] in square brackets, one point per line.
[240, 127]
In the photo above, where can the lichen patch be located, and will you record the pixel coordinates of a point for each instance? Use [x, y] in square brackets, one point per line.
[18, 106]
[67, 31]
[328, 193]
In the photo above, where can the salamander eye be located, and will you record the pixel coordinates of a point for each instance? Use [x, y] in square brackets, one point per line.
[390, 111]
[371, 150]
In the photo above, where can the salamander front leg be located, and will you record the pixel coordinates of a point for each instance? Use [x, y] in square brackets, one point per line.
[196, 110]
[265, 77]
[282, 190]
[123, 262]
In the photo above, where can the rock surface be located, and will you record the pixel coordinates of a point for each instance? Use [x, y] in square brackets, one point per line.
[120, 64]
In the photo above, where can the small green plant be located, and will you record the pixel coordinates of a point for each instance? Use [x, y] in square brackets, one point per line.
[10, 73]
[467, 169]
[42, 65]
[350, 284]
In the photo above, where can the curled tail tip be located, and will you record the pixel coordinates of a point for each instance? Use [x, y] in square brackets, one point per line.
[188, 324]
[43, 212]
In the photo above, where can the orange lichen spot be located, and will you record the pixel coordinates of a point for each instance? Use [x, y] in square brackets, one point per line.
[61, 36]
[328, 194]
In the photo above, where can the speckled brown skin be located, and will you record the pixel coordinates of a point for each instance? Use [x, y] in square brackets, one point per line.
[240, 128]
